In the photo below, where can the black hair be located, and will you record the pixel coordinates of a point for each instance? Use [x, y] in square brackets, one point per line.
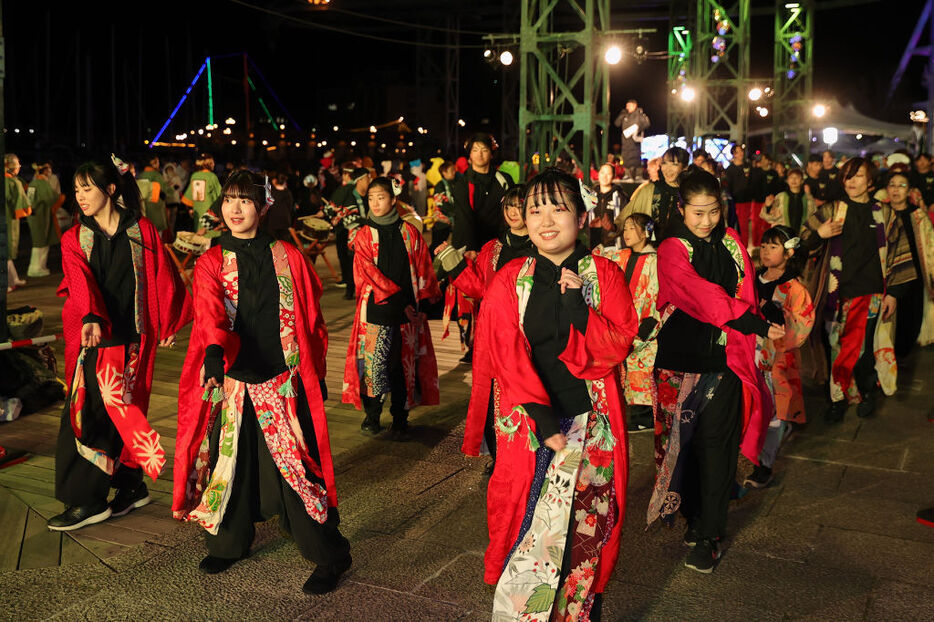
[562, 188]
[780, 234]
[794, 171]
[514, 194]
[814, 158]
[923, 154]
[899, 170]
[696, 181]
[479, 137]
[382, 182]
[677, 155]
[644, 222]
[851, 167]
[246, 185]
[699, 153]
[445, 165]
[103, 173]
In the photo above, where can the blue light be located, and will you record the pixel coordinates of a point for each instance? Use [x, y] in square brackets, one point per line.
[179, 105]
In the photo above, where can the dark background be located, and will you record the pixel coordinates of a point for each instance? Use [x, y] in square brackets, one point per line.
[100, 76]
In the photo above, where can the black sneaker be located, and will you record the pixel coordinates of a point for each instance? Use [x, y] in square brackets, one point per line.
[760, 477]
[216, 565]
[691, 536]
[867, 407]
[835, 412]
[127, 500]
[77, 517]
[349, 295]
[703, 557]
[370, 427]
[467, 358]
[325, 578]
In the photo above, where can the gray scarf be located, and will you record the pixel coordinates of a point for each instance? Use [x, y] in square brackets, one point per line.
[386, 219]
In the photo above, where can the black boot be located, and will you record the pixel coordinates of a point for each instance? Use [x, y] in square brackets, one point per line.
[835, 412]
[399, 431]
[216, 565]
[867, 407]
[373, 407]
[325, 578]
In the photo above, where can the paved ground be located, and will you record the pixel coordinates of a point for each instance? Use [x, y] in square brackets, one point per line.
[834, 538]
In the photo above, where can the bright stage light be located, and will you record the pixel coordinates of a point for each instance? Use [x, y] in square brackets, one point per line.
[819, 110]
[763, 111]
[755, 94]
[488, 54]
[688, 94]
[613, 55]
[506, 58]
[830, 135]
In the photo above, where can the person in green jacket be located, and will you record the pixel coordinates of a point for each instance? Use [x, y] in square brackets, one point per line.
[152, 188]
[203, 191]
[45, 202]
[17, 207]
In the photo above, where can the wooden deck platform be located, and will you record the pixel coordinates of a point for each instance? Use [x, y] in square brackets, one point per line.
[27, 487]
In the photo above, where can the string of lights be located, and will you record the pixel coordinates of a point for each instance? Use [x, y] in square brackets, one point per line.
[308, 24]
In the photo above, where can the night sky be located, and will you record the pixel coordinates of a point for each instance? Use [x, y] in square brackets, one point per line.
[76, 100]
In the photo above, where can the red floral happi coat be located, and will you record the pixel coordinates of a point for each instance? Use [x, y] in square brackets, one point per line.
[212, 327]
[418, 354]
[595, 355]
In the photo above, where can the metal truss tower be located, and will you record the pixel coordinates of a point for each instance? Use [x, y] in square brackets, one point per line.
[721, 69]
[792, 78]
[564, 96]
[680, 117]
[914, 48]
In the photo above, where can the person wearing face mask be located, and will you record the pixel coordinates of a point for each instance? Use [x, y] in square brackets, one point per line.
[472, 277]
[712, 399]
[855, 296]
[562, 321]
[659, 200]
[123, 297]
[390, 348]
[252, 433]
[910, 238]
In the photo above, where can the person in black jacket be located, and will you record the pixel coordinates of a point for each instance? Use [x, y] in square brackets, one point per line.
[633, 122]
[478, 197]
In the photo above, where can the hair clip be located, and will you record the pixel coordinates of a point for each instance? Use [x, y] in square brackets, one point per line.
[589, 196]
[122, 166]
[792, 243]
[396, 186]
[267, 186]
[649, 227]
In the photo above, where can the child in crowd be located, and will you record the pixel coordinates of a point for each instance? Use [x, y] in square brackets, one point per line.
[638, 262]
[792, 207]
[784, 301]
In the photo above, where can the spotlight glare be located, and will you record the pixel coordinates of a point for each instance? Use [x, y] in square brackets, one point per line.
[688, 94]
[613, 55]
[819, 110]
[763, 111]
[488, 54]
[506, 58]
[755, 94]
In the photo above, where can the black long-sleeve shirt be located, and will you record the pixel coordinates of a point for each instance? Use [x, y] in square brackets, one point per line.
[393, 262]
[744, 182]
[688, 344]
[111, 263]
[549, 317]
[478, 212]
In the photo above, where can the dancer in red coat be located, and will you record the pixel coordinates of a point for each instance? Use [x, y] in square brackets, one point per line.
[562, 321]
[472, 277]
[122, 297]
[252, 434]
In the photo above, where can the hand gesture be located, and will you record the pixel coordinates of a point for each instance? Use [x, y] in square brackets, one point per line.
[556, 442]
[90, 335]
[830, 229]
[441, 247]
[168, 342]
[569, 279]
[208, 383]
